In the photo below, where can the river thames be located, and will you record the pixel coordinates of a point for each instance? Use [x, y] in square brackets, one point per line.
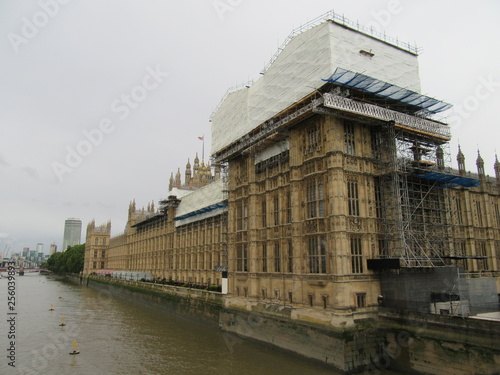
[118, 336]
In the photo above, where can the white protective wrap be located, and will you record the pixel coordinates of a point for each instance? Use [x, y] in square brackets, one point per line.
[206, 196]
[298, 71]
[273, 150]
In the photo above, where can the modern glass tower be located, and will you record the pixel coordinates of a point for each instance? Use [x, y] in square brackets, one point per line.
[72, 233]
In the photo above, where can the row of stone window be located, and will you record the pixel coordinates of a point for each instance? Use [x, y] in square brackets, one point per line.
[317, 256]
[313, 139]
[315, 205]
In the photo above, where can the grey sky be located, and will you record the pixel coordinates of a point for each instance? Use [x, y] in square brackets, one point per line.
[137, 81]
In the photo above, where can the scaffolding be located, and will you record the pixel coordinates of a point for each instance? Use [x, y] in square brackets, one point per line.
[416, 211]
[413, 159]
[412, 163]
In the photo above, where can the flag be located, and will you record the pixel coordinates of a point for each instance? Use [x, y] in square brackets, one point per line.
[201, 138]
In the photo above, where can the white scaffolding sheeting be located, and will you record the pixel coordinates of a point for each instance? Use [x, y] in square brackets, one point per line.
[179, 193]
[273, 150]
[298, 71]
[209, 195]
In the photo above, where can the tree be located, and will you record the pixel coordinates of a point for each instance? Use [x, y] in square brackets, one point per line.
[70, 261]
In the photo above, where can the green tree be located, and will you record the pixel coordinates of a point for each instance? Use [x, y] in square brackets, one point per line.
[54, 262]
[70, 261]
[74, 259]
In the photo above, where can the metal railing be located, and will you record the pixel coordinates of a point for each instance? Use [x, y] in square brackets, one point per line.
[341, 19]
[384, 114]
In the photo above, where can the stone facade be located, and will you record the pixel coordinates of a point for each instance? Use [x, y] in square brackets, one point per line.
[300, 226]
[292, 232]
[97, 246]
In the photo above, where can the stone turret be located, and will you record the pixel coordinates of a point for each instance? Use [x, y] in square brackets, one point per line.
[178, 182]
[131, 208]
[196, 165]
[496, 167]
[196, 175]
[461, 162]
[171, 183]
[188, 174]
[480, 165]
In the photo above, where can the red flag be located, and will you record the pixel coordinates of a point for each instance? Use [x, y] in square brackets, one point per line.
[200, 138]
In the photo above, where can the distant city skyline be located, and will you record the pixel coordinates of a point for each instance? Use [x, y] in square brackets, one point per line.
[38, 249]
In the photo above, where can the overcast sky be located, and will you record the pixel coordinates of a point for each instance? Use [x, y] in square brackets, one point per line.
[100, 100]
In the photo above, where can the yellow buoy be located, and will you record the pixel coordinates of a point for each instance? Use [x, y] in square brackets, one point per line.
[51, 308]
[62, 322]
[75, 344]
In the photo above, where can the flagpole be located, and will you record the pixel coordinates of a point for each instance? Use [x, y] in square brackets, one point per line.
[203, 149]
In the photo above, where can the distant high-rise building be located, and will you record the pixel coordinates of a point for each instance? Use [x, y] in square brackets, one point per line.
[72, 233]
[53, 249]
[39, 247]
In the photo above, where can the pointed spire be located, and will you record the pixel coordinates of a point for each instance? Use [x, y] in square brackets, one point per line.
[196, 165]
[187, 179]
[496, 167]
[153, 206]
[461, 162]
[171, 182]
[178, 182]
[480, 164]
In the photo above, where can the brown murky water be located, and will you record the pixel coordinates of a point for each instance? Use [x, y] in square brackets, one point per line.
[116, 336]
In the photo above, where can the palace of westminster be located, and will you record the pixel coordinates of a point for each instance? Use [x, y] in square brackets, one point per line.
[327, 173]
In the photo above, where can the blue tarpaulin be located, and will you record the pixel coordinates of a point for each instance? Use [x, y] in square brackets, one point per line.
[450, 180]
[386, 90]
[202, 210]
